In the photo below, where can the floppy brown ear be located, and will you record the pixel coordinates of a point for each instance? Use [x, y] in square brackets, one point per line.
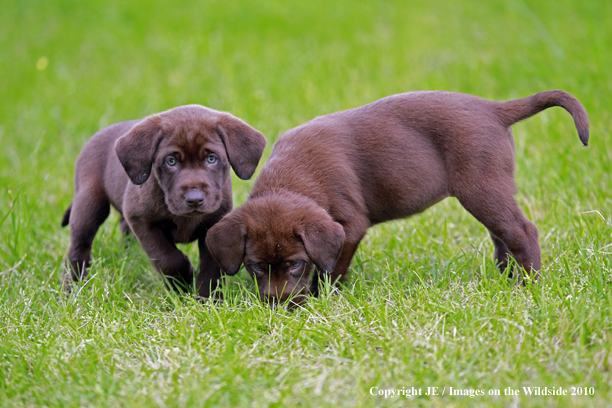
[226, 241]
[136, 149]
[323, 239]
[244, 145]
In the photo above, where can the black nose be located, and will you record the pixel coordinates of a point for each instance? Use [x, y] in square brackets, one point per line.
[194, 198]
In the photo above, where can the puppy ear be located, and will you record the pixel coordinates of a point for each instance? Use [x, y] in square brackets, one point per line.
[136, 149]
[244, 145]
[226, 241]
[323, 239]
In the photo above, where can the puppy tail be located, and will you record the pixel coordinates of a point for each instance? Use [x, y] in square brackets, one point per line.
[66, 217]
[516, 110]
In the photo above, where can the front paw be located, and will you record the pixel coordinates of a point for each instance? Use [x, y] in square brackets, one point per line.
[180, 281]
[216, 298]
[207, 289]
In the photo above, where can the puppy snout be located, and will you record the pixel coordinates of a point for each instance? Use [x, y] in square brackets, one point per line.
[286, 298]
[194, 198]
[272, 301]
[289, 302]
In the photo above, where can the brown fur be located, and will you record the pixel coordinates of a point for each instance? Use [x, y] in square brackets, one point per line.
[186, 195]
[329, 180]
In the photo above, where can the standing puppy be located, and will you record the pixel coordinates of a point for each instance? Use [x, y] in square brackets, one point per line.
[332, 178]
[188, 150]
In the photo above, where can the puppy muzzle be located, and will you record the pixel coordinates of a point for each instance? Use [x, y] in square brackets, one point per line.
[194, 199]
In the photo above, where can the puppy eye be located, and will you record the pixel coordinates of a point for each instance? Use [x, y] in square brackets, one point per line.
[171, 161]
[257, 269]
[211, 159]
[296, 264]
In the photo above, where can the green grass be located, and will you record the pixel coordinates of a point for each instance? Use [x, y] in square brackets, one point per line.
[424, 306]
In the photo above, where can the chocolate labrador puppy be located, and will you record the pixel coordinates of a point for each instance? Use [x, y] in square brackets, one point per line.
[188, 150]
[329, 180]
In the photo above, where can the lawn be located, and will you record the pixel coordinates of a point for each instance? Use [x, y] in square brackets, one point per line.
[424, 306]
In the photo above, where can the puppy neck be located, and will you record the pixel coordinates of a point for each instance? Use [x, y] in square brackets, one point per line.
[286, 195]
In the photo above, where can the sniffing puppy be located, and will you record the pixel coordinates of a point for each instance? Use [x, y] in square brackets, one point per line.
[329, 180]
[169, 177]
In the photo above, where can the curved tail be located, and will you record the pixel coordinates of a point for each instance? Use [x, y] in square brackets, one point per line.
[66, 217]
[516, 110]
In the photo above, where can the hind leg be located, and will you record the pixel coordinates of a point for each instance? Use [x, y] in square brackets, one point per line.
[89, 210]
[512, 233]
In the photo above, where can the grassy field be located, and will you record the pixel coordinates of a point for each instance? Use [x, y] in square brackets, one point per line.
[424, 307]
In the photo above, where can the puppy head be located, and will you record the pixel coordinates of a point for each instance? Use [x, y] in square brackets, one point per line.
[280, 239]
[189, 150]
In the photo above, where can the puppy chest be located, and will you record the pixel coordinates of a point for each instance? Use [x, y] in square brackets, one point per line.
[183, 231]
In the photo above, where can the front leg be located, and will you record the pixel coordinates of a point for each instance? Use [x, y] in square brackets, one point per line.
[340, 269]
[164, 255]
[354, 233]
[210, 273]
